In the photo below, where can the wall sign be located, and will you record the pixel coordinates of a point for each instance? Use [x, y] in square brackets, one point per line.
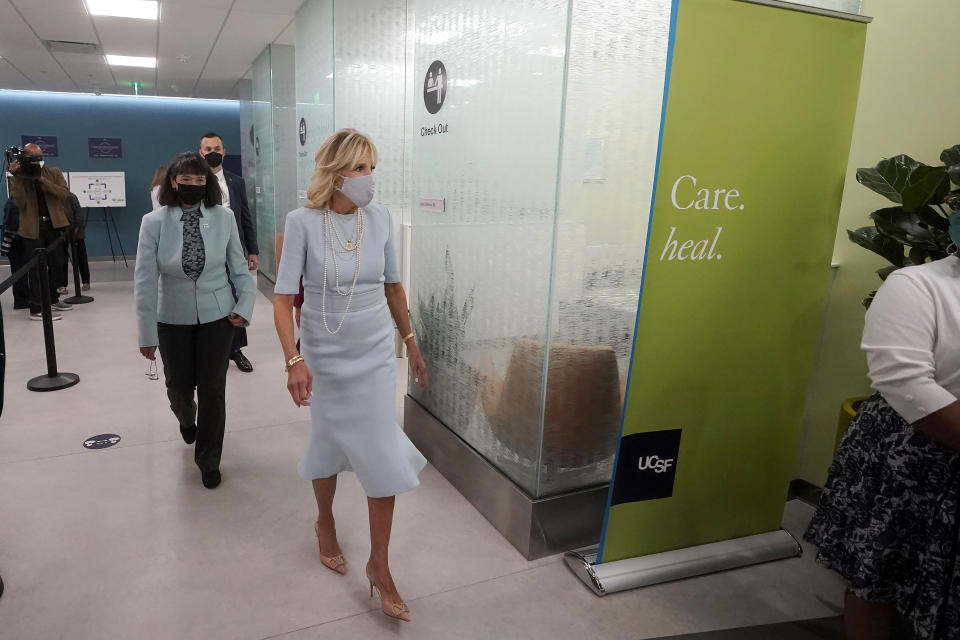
[101, 441]
[105, 147]
[648, 466]
[47, 143]
[433, 204]
[435, 87]
[303, 132]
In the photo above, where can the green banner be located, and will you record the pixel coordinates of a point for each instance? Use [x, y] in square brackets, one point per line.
[756, 132]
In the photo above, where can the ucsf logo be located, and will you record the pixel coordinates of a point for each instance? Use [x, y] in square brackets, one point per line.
[656, 464]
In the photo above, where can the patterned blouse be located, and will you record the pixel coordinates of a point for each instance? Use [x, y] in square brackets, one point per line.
[194, 253]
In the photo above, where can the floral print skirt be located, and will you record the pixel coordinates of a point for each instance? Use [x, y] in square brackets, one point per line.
[888, 520]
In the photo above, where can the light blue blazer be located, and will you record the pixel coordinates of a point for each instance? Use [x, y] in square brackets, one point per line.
[163, 291]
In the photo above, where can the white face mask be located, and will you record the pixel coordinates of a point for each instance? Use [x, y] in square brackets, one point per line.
[359, 189]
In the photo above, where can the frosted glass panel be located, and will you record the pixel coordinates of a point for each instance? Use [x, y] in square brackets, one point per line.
[611, 131]
[314, 64]
[247, 151]
[274, 138]
[481, 269]
[263, 152]
[371, 49]
[284, 133]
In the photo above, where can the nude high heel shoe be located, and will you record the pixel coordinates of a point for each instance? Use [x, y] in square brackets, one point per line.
[335, 563]
[398, 610]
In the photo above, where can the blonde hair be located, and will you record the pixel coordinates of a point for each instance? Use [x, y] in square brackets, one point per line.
[159, 176]
[345, 148]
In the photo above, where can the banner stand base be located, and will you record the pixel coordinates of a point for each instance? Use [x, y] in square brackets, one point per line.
[643, 571]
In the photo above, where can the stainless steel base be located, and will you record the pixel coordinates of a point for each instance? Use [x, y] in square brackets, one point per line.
[536, 527]
[643, 571]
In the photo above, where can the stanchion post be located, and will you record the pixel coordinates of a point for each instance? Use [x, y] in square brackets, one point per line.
[54, 380]
[79, 298]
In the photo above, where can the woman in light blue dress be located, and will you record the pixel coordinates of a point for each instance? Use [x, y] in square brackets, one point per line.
[344, 248]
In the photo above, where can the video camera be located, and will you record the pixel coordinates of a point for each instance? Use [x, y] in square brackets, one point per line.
[30, 164]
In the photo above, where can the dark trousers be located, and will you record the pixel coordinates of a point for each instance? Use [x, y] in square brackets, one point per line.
[82, 263]
[195, 358]
[55, 260]
[239, 339]
[21, 288]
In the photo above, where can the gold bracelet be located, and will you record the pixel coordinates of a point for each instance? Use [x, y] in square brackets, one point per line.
[407, 337]
[294, 360]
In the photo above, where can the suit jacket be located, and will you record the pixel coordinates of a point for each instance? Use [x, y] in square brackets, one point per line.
[164, 293]
[24, 195]
[245, 220]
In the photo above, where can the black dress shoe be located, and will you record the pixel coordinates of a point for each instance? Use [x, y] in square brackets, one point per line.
[189, 435]
[211, 479]
[242, 363]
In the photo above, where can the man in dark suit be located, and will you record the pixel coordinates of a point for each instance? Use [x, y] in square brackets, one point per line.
[234, 198]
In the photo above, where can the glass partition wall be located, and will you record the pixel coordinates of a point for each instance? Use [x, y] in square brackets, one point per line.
[525, 288]
[487, 116]
[274, 138]
[519, 142]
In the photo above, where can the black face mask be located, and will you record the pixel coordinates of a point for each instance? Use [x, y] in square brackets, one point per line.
[191, 194]
[214, 159]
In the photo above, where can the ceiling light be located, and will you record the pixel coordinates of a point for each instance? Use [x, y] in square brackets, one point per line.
[142, 9]
[131, 61]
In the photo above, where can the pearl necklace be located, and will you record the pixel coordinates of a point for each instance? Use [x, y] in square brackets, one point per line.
[329, 249]
[350, 245]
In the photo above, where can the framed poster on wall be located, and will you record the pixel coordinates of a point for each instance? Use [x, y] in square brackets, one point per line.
[99, 189]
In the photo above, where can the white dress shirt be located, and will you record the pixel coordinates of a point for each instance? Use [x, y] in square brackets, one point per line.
[222, 179]
[912, 338]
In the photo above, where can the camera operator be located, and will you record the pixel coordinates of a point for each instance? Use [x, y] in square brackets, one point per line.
[40, 193]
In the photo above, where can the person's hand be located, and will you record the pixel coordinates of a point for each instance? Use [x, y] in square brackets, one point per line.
[253, 262]
[417, 366]
[150, 353]
[236, 320]
[13, 166]
[40, 180]
[300, 384]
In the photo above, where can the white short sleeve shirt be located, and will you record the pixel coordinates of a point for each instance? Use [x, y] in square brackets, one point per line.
[912, 338]
[222, 179]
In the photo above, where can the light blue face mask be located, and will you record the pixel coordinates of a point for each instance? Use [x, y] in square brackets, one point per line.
[955, 228]
[359, 189]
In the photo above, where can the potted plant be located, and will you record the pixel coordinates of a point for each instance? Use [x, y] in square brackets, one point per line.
[915, 230]
[441, 325]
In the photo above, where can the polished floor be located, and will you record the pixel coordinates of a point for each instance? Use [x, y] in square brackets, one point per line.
[124, 542]
[820, 629]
